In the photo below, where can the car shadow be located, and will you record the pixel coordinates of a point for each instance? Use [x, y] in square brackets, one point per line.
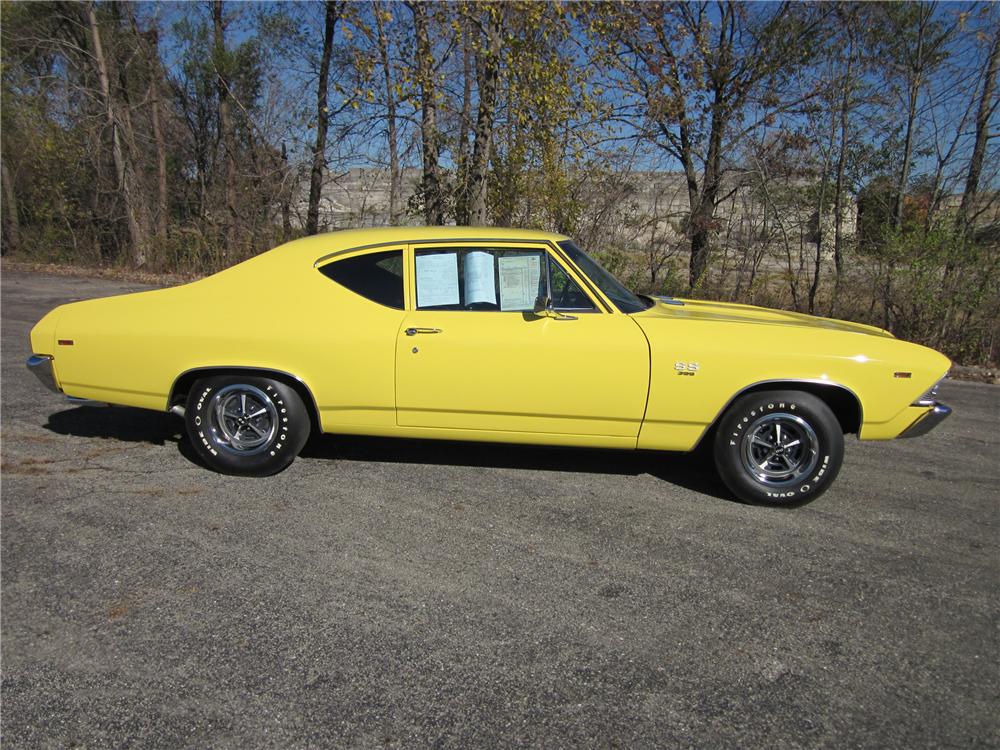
[117, 423]
[693, 471]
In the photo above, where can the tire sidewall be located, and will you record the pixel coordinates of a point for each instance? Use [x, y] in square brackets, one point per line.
[747, 409]
[291, 435]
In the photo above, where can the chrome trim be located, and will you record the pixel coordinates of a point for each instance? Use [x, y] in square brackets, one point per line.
[670, 301]
[244, 420]
[861, 409]
[437, 241]
[211, 368]
[552, 244]
[776, 461]
[415, 331]
[178, 410]
[929, 398]
[86, 401]
[927, 422]
[40, 365]
[603, 300]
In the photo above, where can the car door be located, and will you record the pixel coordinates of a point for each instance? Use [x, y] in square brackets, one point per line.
[472, 355]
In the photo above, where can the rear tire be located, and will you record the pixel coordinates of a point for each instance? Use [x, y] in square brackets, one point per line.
[246, 425]
[779, 447]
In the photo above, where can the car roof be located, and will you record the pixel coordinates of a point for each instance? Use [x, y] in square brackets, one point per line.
[308, 252]
[333, 243]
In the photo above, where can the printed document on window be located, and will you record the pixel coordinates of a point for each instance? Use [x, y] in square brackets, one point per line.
[519, 277]
[437, 280]
[479, 283]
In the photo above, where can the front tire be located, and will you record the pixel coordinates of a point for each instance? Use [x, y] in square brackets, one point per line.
[246, 425]
[779, 447]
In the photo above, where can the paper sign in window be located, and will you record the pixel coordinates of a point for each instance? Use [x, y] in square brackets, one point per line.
[479, 283]
[519, 277]
[437, 280]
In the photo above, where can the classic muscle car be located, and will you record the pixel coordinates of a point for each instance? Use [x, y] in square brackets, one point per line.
[490, 335]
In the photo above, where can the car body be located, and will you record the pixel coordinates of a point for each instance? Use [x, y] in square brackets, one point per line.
[437, 332]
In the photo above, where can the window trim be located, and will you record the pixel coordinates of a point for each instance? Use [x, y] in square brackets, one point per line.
[360, 252]
[604, 304]
[543, 246]
[548, 283]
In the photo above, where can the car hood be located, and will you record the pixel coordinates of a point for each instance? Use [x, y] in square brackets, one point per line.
[729, 312]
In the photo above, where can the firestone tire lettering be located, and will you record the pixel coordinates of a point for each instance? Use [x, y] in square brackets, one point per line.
[792, 405]
[287, 425]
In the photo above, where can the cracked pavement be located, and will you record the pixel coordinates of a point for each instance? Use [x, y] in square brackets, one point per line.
[405, 593]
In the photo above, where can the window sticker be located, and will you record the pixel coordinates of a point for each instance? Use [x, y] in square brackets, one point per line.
[437, 280]
[479, 283]
[519, 276]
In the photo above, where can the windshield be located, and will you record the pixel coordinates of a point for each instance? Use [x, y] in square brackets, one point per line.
[624, 299]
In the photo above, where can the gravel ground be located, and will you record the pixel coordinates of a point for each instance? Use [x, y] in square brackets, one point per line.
[404, 593]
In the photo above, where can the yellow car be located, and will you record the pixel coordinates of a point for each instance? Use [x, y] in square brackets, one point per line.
[484, 334]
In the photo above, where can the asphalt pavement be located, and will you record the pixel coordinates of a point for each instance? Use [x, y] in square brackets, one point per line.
[385, 593]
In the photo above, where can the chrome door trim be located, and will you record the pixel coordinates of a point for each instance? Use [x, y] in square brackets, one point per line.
[553, 247]
[272, 370]
[810, 381]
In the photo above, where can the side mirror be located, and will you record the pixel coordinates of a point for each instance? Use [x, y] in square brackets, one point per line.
[543, 309]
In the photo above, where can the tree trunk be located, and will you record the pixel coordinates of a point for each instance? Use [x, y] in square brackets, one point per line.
[11, 225]
[395, 176]
[225, 125]
[986, 107]
[286, 211]
[322, 119]
[151, 45]
[135, 209]
[838, 198]
[820, 234]
[703, 215]
[488, 69]
[915, 81]
[464, 125]
[433, 200]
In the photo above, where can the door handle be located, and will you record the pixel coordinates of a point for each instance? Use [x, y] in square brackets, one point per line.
[415, 331]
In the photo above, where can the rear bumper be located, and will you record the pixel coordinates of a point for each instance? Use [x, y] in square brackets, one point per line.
[41, 366]
[927, 422]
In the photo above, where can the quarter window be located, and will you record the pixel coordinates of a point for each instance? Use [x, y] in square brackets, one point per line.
[375, 276]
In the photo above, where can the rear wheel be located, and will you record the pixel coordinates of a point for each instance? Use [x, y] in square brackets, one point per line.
[246, 425]
[779, 447]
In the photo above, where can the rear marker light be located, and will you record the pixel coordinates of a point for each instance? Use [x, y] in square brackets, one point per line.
[902, 374]
[65, 342]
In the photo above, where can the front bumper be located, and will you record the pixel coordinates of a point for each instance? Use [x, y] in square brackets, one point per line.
[41, 366]
[928, 421]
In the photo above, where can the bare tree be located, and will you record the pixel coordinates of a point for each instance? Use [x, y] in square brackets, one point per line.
[430, 138]
[135, 206]
[221, 61]
[916, 43]
[987, 106]
[487, 71]
[322, 118]
[382, 16]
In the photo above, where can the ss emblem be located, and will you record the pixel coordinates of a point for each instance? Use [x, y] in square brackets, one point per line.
[686, 368]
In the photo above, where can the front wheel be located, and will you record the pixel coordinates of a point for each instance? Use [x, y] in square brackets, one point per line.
[246, 425]
[778, 447]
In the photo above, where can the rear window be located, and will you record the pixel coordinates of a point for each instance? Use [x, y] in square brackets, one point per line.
[375, 276]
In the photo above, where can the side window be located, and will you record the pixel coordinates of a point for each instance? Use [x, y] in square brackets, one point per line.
[480, 279]
[375, 276]
[566, 293]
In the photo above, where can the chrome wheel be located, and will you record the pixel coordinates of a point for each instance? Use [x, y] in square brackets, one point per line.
[245, 419]
[778, 449]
